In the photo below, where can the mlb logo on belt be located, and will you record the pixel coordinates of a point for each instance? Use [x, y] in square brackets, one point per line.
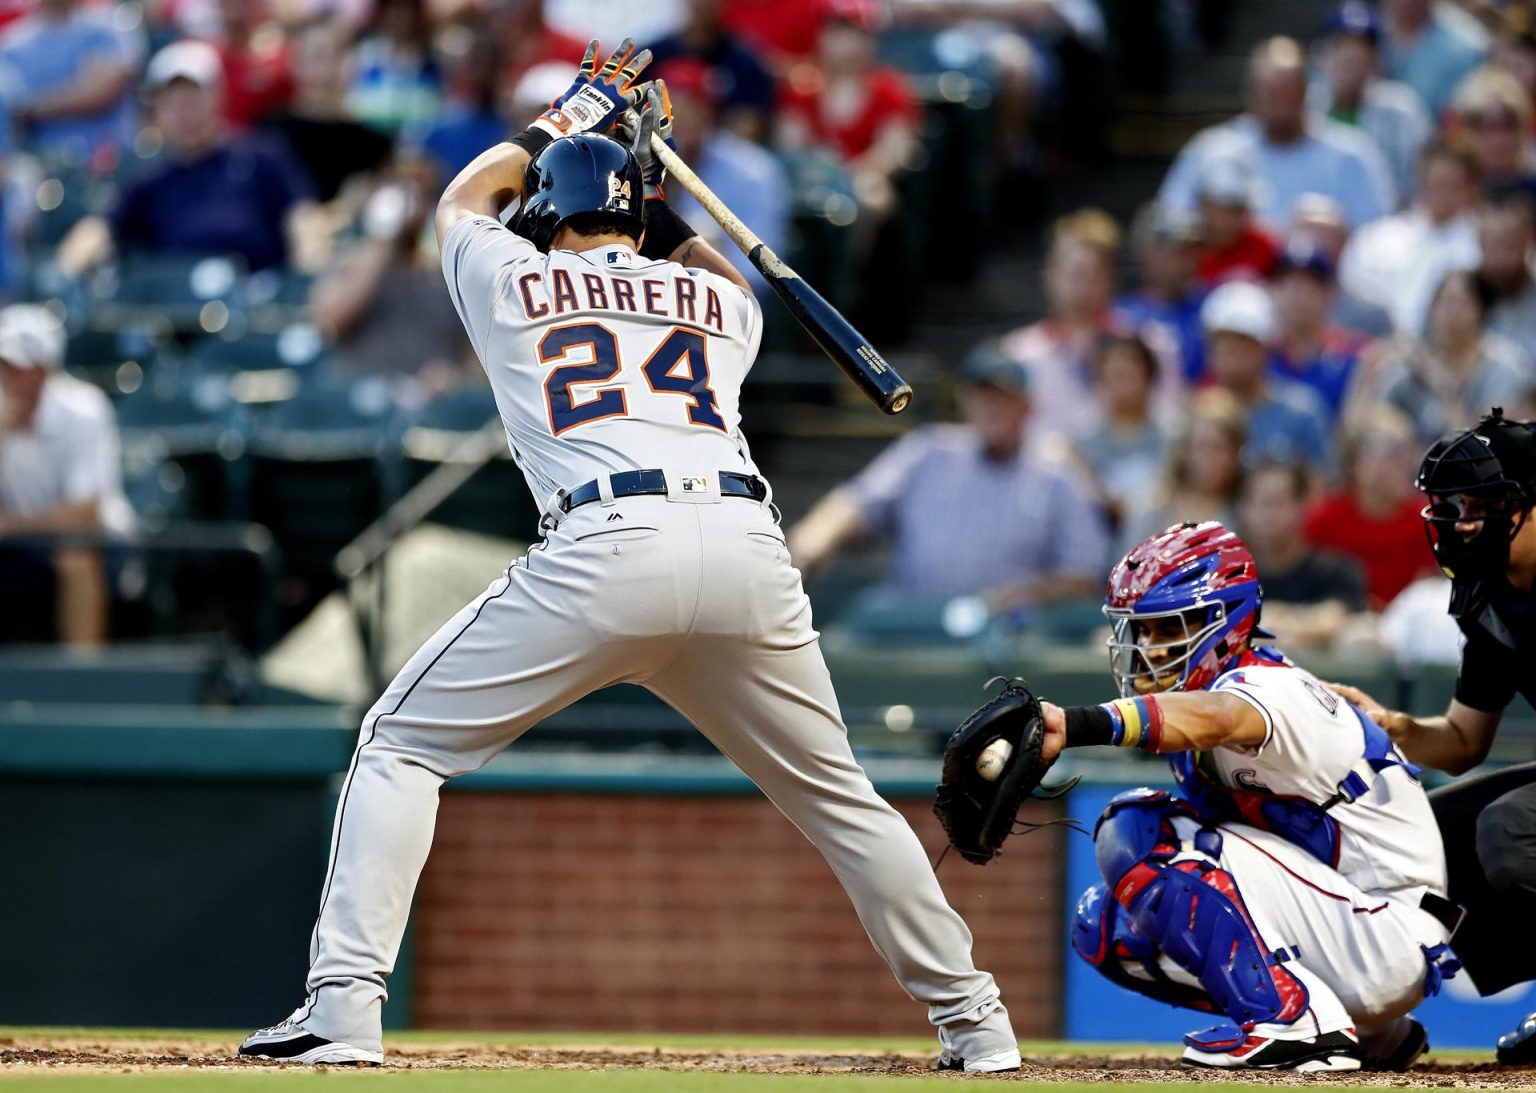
[695, 485]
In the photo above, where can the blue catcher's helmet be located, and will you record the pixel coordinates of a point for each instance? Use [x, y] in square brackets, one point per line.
[1201, 574]
[572, 176]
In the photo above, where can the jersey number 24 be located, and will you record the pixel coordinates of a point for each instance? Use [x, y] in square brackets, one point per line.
[679, 366]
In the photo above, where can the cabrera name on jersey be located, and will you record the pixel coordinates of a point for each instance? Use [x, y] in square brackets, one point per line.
[604, 361]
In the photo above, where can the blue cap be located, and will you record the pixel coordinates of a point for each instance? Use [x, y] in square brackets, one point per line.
[988, 364]
[1304, 253]
[1355, 18]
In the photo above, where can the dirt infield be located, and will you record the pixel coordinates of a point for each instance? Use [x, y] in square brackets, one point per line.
[90, 1054]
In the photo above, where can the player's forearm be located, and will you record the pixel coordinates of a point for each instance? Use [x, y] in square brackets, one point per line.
[1443, 743]
[1160, 723]
[821, 533]
[70, 516]
[492, 182]
[695, 253]
[341, 297]
[88, 244]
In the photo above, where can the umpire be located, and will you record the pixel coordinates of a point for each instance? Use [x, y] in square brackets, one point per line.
[1481, 486]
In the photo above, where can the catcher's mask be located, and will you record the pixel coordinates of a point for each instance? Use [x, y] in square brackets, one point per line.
[585, 176]
[1201, 575]
[1481, 484]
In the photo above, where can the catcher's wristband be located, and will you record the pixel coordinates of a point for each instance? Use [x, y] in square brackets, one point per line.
[665, 231]
[1138, 722]
[533, 139]
[1123, 723]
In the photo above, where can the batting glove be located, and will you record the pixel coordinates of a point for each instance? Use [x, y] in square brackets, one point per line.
[652, 116]
[597, 98]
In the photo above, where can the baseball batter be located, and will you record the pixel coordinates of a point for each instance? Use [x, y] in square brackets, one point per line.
[1296, 885]
[616, 347]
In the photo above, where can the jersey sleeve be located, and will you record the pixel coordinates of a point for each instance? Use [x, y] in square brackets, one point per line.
[477, 254]
[1488, 674]
[1312, 736]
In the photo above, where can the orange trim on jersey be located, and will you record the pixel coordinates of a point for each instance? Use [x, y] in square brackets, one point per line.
[691, 395]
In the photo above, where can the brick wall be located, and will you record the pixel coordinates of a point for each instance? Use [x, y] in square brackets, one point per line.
[694, 914]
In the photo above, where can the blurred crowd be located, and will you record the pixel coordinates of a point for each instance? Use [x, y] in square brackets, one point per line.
[225, 204]
[1321, 286]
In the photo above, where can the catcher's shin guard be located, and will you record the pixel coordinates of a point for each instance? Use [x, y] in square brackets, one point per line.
[1183, 902]
[1104, 936]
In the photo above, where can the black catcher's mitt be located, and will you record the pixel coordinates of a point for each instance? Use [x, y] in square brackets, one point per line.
[978, 815]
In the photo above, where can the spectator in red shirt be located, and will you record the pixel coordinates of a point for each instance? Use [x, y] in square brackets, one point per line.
[527, 40]
[845, 100]
[780, 30]
[1375, 517]
[258, 66]
[1232, 245]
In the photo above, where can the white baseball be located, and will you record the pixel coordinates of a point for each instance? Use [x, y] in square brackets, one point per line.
[993, 758]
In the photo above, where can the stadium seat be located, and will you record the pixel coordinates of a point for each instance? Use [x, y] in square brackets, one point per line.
[495, 501]
[117, 361]
[260, 367]
[186, 293]
[195, 427]
[275, 299]
[317, 479]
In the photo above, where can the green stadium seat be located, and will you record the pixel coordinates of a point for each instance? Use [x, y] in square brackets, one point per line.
[195, 427]
[495, 500]
[186, 293]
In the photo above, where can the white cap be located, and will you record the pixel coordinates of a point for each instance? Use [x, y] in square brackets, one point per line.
[185, 60]
[542, 84]
[31, 337]
[1229, 179]
[1240, 307]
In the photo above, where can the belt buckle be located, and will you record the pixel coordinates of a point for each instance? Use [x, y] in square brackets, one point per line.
[693, 488]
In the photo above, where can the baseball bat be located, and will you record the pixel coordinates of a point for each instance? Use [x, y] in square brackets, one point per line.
[835, 335]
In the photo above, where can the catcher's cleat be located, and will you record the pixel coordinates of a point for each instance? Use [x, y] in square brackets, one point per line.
[1412, 1045]
[287, 1042]
[1227, 1047]
[1518, 1048]
[996, 1062]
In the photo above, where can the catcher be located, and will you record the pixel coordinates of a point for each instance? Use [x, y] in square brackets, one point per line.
[1294, 885]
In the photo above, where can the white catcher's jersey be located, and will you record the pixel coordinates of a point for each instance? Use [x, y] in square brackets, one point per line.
[604, 361]
[1388, 841]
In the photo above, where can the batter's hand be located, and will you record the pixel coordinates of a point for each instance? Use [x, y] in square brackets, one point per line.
[653, 115]
[597, 98]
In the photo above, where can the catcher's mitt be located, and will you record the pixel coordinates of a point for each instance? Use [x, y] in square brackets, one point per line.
[977, 814]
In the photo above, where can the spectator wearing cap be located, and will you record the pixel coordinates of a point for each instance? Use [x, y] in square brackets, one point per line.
[1310, 595]
[1124, 450]
[1494, 113]
[1507, 241]
[1231, 245]
[1352, 91]
[1449, 378]
[1286, 421]
[68, 76]
[1292, 150]
[59, 474]
[317, 129]
[1309, 348]
[1321, 219]
[1167, 295]
[1058, 350]
[743, 87]
[746, 176]
[969, 509]
[1430, 45]
[845, 100]
[1397, 261]
[212, 193]
[1374, 516]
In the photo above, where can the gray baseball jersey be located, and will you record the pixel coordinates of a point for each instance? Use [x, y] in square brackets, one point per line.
[604, 362]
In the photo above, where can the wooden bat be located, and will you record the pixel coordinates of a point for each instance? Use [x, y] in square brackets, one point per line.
[849, 350]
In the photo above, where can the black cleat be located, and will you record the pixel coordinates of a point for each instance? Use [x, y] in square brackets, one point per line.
[1227, 1047]
[287, 1042]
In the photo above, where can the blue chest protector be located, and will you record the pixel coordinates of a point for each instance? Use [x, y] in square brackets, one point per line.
[1305, 823]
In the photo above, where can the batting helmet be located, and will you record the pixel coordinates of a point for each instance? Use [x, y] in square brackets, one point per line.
[572, 176]
[1485, 475]
[1201, 574]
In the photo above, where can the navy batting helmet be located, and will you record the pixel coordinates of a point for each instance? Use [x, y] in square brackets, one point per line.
[572, 176]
